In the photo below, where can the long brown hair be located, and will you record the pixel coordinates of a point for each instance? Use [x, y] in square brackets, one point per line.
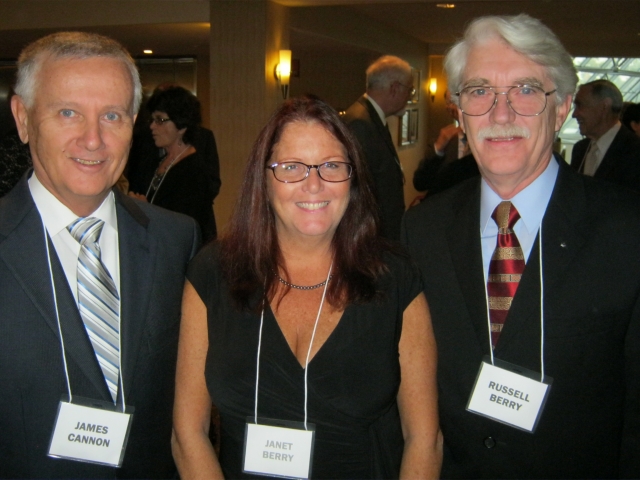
[249, 250]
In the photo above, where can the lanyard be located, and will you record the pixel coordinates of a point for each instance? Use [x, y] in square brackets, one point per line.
[313, 334]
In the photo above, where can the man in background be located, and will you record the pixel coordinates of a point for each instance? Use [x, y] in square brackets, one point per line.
[450, 162]
[610, 151]
[389, 88]
[91, 280]
[532, 274]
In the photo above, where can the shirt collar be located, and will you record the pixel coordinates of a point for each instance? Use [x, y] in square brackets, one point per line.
[531, 202]
[377, 109]
[605, 141]
[57, 216]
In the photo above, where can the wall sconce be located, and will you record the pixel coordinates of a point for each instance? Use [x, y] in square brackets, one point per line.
[433, 87]
[283, 72]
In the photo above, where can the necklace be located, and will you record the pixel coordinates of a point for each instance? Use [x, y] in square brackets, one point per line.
[158, 178]
[302, 287]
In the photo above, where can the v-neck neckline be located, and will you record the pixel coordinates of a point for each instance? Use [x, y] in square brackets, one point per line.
[271, 316]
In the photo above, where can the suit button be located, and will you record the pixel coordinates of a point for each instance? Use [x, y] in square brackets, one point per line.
[489, 442]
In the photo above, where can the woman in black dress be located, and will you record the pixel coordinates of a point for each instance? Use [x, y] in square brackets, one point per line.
[303, 317]
[180, 180]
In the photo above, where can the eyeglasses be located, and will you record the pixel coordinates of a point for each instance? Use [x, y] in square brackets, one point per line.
[525, 100]
[159, 120]
[412, 90]
[292, 172]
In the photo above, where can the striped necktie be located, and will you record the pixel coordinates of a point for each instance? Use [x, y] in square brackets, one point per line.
[505, 269]
[98, 300]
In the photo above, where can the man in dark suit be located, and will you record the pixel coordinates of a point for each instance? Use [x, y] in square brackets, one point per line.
[530, 232]
[389, 87]
[610, 151]
[439, 169]
[90, 280]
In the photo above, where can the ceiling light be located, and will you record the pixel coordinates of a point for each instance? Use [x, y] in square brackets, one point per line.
[148, 52]
[445, 5]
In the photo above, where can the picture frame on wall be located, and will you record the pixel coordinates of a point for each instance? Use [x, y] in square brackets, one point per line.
[415, 73]
[408, 127]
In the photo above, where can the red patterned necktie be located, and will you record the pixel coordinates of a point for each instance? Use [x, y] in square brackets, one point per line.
[505, 269]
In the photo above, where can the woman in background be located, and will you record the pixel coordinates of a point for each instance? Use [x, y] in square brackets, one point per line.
[304, 314]
[180, 180]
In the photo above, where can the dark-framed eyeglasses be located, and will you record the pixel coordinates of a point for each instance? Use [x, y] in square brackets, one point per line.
[412, 90]
[292, 172]
[159, 120]
[525, 100]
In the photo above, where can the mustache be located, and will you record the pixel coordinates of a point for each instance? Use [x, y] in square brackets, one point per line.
[503, 131]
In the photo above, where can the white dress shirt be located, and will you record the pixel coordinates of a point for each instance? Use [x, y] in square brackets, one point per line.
[56, 217]
[603, 144]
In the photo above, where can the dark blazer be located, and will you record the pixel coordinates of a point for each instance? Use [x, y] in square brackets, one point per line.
[432, 163]
[435, 175]
[591, 422]
[383, 163]
[621, 162]
[155, 246]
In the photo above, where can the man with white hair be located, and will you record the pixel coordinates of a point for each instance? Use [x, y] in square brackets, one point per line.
[389, 87]
[90, 279]
[532, 275]
[610, 150]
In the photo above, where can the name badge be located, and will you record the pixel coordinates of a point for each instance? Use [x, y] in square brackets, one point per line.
[509, 394]
[90, 431]
[278, 448]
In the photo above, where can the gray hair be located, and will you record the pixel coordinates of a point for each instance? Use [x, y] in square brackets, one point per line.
[602, 89]
[71, 45]
[387, 70]
[522, 33]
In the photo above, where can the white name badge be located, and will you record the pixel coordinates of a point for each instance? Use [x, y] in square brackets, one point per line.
[90, 431]
[278, 448]
[516, 399]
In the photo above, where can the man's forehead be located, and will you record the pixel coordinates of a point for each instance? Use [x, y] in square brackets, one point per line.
[70, 70]
[495, 58]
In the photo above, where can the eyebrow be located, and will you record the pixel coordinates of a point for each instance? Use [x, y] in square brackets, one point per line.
[478, 82]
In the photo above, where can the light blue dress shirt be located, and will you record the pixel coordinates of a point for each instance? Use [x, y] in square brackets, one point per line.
[531, 203]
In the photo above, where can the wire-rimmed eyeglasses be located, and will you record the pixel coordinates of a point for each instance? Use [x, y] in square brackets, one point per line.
[292, 172]
[159, 120]
[412, 90]
[525, 100]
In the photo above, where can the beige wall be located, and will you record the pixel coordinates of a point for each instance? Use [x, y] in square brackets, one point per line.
[245, 39]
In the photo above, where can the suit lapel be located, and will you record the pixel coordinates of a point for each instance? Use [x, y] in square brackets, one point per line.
[463, 238]
[562, 240]
[611, 156]
[25, 253]
[383, 129]
[136, 251]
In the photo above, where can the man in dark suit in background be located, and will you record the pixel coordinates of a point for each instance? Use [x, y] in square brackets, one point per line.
[610, 151]
[480, 246]
[444, 166]
[90, 280]
[389, 87]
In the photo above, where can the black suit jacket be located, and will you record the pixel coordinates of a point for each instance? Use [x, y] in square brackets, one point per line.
[383, 163]
[590, 426]
[621, 162]
[155, 246]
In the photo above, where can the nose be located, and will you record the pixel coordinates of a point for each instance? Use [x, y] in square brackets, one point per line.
[91, 138]
[313, 183]
[502, 113]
